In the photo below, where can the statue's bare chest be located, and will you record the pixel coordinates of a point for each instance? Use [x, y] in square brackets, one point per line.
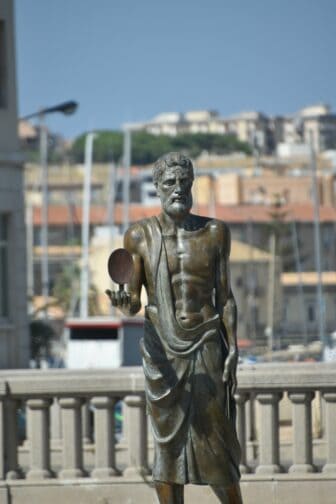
[189, 252]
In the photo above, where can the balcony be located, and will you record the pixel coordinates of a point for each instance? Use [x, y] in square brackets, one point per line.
[67, 450]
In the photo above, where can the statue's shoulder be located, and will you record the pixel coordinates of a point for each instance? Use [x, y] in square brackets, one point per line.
[220, 226]
[137, 231]
[216, 227]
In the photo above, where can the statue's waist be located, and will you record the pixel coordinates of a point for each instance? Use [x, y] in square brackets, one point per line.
[187, 326]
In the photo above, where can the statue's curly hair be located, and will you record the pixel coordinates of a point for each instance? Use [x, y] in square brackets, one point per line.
[169, 160]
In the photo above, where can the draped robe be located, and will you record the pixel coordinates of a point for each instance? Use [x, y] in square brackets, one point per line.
[191, 411]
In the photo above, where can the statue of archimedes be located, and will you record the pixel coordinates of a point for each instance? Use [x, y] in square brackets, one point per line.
[189, 348]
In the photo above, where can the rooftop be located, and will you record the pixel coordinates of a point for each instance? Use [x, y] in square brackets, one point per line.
[235, 214]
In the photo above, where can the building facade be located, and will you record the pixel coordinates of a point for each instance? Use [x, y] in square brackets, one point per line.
[14, 339]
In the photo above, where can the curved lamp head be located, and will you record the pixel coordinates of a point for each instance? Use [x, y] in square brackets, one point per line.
[67, 108]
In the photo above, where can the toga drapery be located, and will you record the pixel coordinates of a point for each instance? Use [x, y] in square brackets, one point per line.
[192, 414]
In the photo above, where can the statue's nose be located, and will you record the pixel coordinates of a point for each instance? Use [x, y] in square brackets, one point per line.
[178, 187]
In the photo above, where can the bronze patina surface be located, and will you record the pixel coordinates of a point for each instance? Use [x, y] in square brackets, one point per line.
[189, 347]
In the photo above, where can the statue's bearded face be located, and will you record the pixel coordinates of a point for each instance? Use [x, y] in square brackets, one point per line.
[174, 191]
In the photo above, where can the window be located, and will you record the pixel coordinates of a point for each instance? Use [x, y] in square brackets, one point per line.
[3, 266]
[3, 66]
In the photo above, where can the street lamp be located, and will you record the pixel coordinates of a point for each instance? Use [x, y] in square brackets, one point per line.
[67, 108]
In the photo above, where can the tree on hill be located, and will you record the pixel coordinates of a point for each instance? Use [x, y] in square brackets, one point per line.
[106, 144]
[146, 148]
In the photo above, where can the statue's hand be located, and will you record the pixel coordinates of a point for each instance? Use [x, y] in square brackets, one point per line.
[230, 371]
[120, 299]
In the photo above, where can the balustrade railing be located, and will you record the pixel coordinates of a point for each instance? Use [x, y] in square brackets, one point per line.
[70, 422]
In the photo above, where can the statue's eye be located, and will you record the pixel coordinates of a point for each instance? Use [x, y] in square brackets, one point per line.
[169, 182]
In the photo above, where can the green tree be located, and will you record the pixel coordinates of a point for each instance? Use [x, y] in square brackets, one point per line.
[67, 291]
[146, 148]
[106, 145]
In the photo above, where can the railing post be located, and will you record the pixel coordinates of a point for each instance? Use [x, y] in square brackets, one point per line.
[241, 429]
[302, 432]
[136, 436]
[72, 438]
[11, 439]
[330, 402]
[104, 437]
[39, 439]
[269, 433]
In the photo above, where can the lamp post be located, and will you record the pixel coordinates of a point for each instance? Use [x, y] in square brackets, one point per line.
[67, 108]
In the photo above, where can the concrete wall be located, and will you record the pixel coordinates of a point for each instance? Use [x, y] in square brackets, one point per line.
[318, 489]
[14, 340]
[8, 114]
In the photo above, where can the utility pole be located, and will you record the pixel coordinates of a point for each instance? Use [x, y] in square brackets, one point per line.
[271, 294]
[84, 279]
[317, 243]
[251, 282]
[111, 200]
[295, 242]
[30, 250]
[212, 195]
[126, 179]
[44, 213]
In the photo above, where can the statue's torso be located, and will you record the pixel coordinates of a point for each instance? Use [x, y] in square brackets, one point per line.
[192, 257]
[191, 264]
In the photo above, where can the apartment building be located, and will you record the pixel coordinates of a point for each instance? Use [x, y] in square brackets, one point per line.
[14, 339]
[263, 132]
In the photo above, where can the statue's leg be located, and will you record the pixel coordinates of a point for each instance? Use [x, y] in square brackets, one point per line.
[169, 493]
[228, 495]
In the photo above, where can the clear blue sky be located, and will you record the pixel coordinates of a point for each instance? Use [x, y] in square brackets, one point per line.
[128, 60]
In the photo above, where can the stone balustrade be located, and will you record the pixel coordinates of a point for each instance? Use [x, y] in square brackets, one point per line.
[70, 429]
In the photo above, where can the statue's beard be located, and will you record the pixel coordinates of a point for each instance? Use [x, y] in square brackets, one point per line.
[178, 210]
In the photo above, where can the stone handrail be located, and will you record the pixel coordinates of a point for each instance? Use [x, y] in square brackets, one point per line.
[61, 396]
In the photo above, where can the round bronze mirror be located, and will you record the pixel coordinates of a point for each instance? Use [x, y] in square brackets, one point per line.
[120, 266]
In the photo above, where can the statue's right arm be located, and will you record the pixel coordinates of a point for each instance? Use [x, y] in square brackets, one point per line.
[130, 302]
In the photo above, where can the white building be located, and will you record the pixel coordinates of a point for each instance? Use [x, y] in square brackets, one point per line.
[14, 339]
[256, 128]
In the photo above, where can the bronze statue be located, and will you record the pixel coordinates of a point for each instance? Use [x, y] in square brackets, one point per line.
[189, 347]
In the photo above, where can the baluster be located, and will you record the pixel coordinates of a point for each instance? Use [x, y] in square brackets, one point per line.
[302, 432]
[11, 439]
[104, 437]
[136, 436]
[251, 448]
[241, 429]
[26, 442]
[86, 427]
[72, 437]
[269, 433]
[39, 438]
[56, 425]
[330, 420]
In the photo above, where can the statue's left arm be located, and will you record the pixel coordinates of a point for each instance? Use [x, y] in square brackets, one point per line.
[227, 308]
